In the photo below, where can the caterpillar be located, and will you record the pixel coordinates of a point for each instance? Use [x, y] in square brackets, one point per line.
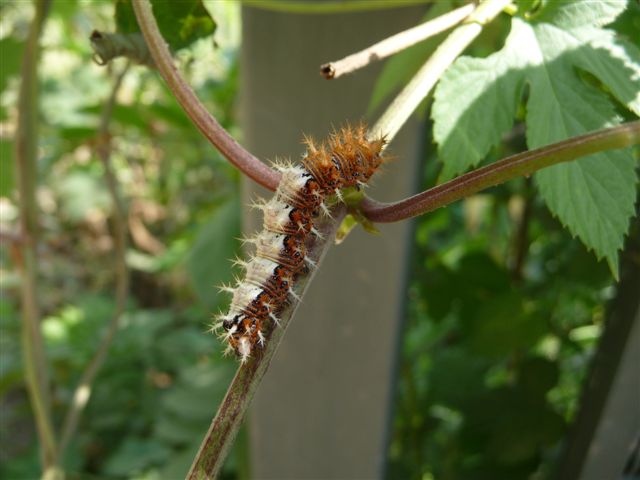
[346, 159]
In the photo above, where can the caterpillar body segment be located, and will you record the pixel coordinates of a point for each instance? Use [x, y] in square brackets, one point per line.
[347, 159]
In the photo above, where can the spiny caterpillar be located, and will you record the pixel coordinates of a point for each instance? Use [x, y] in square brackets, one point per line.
[346, 159]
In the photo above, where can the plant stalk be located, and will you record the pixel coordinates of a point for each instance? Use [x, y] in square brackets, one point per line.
[520, 165]
[237, 155]
[82, 392]
[26, 144]
[225, 425]
[421, 84]
[396, 43]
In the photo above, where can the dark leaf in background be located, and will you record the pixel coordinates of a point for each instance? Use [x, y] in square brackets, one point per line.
[501, 325]
[510, 425]
[181, 23]
[456, 378]
[135, 455]
[11, 54]
[537, 375]
[216, 242]
[126, 115]
[7, 179]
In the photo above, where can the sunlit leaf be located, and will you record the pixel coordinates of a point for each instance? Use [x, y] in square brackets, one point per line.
[476, 102]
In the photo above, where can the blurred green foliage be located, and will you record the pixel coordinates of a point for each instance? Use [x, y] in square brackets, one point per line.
[501, 324]
[504, 307]
[153, 399]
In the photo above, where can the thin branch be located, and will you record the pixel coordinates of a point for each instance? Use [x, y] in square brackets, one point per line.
[421, 84]
[231, 412]
[522, 164]
[327, 6]
[35, 364]
[107, 46]
[520, 240]
[209, 126]
[82, 392]
[396, 43]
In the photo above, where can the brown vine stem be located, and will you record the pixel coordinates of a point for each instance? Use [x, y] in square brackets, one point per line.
[82, 392]
[395, 43]
[26, 143]
[206, 123]
[225, 425]
[522, 164]
[421, 84]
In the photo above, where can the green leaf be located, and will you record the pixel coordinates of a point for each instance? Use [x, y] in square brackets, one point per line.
[181, 23]
[475, 103]
[594, 196]
[124, 114]
[477, 98]
[11, 54]
[537, 376]
[209, 263]
[614, 61]
[176, 430]
[198, 392]
[81, 192]
[502, 326]
[627, 24]
[581, 13]
[11, 58]
[523, 425]
[7, 179]
[135, 455]
[456, 378]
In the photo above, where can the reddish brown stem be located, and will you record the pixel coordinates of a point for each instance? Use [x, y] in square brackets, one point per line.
[206, 123]
[225, 425]
[82, 392]
[26, 142]
[522, 164]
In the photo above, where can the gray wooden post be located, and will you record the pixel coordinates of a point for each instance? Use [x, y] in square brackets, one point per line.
[322, 410]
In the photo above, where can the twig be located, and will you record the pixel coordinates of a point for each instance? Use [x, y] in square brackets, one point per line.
[522, 164]
[328, 6]
[421, 84]
[209, 126]
[82, 392]
[107, 46]
[520, 242]
[35, 365]
[395, 43]
[227, 421]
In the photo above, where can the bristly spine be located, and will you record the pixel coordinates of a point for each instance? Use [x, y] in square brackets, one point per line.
[346, 159]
